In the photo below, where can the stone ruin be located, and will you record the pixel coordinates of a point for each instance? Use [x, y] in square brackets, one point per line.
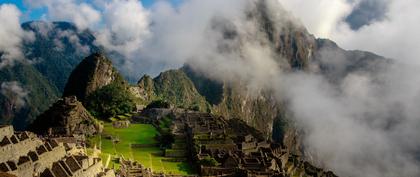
[23, 154]
[134, 169]
[238, 149]
[121, 124]
[67, 116]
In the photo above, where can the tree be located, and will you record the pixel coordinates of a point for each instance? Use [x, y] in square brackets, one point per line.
[109, 101]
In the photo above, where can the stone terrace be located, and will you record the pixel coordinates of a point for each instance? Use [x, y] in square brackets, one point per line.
[24, 154]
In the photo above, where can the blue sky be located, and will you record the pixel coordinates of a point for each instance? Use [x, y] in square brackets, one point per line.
[36, 14]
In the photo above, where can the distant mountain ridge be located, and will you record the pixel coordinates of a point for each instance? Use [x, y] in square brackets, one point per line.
[55, 52]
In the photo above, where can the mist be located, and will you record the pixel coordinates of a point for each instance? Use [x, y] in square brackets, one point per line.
[14, 94]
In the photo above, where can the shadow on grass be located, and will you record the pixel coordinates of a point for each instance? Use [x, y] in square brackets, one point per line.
[184, 166]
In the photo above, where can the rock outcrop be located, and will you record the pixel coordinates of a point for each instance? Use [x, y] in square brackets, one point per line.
[66, 117]
[94, 72]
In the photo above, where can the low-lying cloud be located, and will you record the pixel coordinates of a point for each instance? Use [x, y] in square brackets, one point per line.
[12, 36]
[14, 93]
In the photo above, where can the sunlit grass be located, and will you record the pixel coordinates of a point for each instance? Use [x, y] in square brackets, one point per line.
[151, 157]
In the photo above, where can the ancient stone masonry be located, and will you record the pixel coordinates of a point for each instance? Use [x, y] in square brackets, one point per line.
[23, 154]
[134, 169]
[66, 117]
[220, 148]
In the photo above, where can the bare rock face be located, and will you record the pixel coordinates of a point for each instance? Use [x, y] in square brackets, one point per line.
[94, 72]
[66, 117]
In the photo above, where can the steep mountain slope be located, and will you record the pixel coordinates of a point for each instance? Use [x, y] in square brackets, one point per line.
[40, 95]
[100, 87]
[93, 73]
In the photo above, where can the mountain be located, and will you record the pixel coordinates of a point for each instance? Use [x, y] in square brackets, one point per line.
[100, 87]
[67, 116]
[57, 49]
[93, 73]
[173, 86]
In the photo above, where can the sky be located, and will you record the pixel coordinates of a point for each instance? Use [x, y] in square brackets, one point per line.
[36, 14]
[365, 124]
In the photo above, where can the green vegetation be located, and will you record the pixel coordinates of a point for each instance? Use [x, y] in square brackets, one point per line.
[174, 87]
[57, 64]
[41, 93]
[118, 142]
[208, 161]
[158, 104]
[109, 101]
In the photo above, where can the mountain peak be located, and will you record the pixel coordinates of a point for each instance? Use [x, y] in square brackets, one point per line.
[94, 72]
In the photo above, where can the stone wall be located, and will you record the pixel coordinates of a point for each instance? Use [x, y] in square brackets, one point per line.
[6, 130]
[24, 154]
[13, 151]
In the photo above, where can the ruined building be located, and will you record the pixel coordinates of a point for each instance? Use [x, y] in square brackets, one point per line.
[225, 148]
[23, 154]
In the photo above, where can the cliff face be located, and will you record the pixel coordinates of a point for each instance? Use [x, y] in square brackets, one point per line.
[94, 72]
[67, 116]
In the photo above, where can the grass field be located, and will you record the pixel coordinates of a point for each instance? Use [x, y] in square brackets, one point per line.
[150, 157]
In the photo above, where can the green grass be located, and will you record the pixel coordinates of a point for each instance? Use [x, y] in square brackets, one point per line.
[150, 157]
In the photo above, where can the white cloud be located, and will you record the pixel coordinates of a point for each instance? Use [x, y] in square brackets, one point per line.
[14, 93]
[84, 15]
[321, 17]
[395, 35]
[11, 35]
[126, 25]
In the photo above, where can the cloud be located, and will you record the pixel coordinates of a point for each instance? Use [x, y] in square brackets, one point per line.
[390, 27]
[320, 16]
[396, 36]
[73, 39]
[12, 36]
[14, 93]
[126, 24]
[361, 127]
[84, 15]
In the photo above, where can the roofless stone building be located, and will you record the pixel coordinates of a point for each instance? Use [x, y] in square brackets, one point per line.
[23, 154]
